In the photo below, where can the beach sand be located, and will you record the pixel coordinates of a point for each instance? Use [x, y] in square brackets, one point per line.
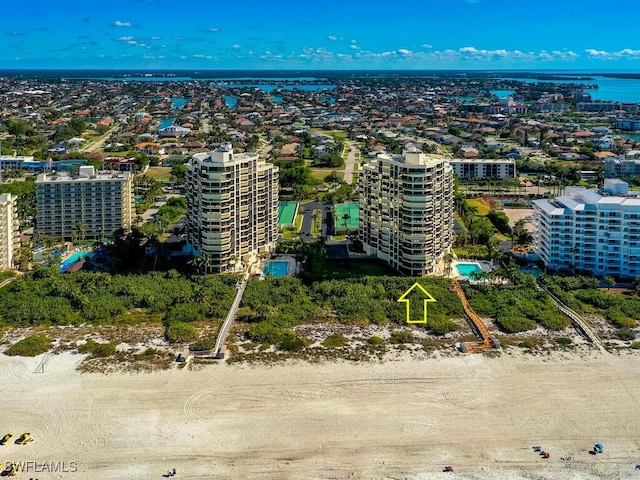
[397, 419]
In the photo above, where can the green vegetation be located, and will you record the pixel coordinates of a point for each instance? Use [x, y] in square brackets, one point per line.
[273, 306]
[159, 174]
[375, 340]
[564, 341]
[335, 340]
[26, 197]
[581, 294]
[206, 343]
[44, 296]
[517, 307]
[482, 208]
[180, 332]
[99, 350]
[30, 347]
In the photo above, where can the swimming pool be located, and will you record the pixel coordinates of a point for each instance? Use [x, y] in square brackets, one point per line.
[74, 258]
[468, 269]
[276, 268]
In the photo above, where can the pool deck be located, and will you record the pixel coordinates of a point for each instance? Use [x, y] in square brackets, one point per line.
[485, 265]
[293, 267]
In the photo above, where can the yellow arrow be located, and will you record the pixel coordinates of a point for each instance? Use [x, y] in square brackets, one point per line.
[428, 298]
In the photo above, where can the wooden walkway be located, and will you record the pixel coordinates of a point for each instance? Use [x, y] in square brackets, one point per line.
[486, 340]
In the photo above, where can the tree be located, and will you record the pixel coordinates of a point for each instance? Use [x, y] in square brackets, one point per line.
[80, 229]
[448, 259]
[609, 281]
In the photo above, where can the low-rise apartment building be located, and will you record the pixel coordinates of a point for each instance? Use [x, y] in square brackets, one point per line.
[496, 169]
[595, 231]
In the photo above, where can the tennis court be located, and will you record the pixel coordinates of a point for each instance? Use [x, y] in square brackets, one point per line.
[352, 218]
[287, 213]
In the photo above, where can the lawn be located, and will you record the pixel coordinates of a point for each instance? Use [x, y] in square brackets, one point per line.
[162, 174]
[321, 173]
[322, 269]
[483, 208]
[337, 134]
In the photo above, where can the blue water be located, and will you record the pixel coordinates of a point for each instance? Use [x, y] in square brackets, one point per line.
[631, 136]
[230, 101]
[268, 88]
[74, 258]
[611, 89]
[466, 269]
[179, 102]
[502, 93]
[276, 99]
[276, 268]
[460, 99]
[535, 271]
[165, 122]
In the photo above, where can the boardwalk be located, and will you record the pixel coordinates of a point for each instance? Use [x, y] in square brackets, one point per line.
[487, 340]
[217, 352]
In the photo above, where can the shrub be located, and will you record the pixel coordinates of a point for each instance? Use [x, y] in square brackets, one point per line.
[564, 341]
[206, 343]
[30, 347]
[335, 340]
[180, 332]
[527, 344]
[375, 340]
[87, 347]
[635, 345]
[103, 350]
[398, 338]
[624, 334]
[290, 342]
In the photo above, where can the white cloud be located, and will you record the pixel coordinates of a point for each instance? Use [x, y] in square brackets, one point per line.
[235, 46]
[125, 39]
[156, 38]
[333, 38]
[427, 45]
[404, 51]
[604, 55]
[120, 23]
[213, 30]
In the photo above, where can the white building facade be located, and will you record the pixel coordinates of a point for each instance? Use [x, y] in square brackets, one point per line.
[9, 233]
[590, 231]
[496, 169]
[406, 210]
[102, 202]
[232, 207]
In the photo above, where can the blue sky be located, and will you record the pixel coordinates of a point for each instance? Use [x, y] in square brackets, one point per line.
[322, 34]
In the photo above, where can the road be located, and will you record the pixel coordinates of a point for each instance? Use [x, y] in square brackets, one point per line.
[97, 145]
[350, 163]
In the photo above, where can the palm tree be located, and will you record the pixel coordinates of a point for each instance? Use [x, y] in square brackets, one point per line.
[448, 259]
[81, 229]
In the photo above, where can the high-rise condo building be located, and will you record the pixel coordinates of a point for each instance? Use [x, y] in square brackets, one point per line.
[9, 235]
[232, 207]
[406, 210]
[590, 231]
[89, 205]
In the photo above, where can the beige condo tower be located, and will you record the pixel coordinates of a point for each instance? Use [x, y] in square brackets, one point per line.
[406, 210]
[232, 208]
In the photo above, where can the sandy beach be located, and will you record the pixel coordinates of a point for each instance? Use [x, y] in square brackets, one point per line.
[403, 419]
